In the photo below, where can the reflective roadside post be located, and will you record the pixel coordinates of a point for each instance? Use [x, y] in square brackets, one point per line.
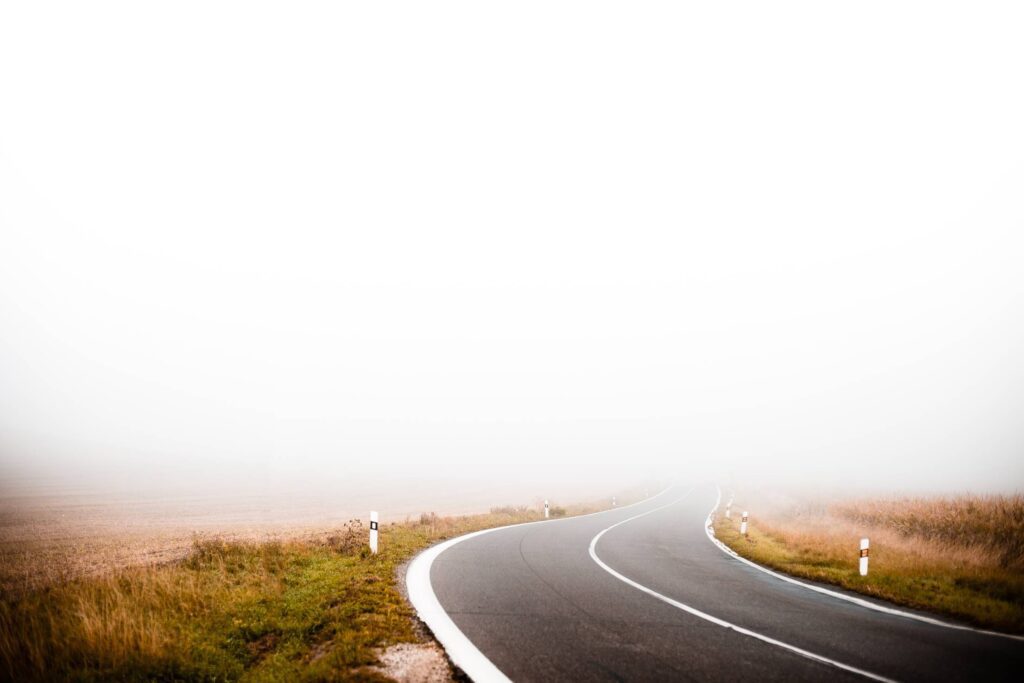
[864, 550]
[373, 531]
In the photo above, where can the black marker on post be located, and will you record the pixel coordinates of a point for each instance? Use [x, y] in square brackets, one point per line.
[373, 532]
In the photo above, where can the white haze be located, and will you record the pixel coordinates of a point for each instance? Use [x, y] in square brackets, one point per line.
[511, 248]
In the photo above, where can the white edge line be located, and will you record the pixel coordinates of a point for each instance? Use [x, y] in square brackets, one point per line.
[715, 620]
[709, 530]
[461, 650]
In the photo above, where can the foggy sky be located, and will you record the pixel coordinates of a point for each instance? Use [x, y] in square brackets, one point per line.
[248, 245]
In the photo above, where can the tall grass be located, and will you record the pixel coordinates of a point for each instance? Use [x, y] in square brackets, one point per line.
[991, 523]
[315, 609]
[958, 556]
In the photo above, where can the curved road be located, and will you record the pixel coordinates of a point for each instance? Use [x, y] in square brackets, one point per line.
[642, 593]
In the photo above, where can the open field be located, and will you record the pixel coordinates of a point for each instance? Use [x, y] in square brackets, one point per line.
[958, 556]
[315, 607]
[49, 534]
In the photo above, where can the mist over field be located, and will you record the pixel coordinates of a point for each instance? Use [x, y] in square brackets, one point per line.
[453, 256]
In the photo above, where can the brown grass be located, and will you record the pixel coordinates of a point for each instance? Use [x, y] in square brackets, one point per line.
[313, 608]
[957, 556]
[991, 525]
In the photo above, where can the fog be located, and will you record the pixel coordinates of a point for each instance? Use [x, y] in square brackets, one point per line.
[456, 252]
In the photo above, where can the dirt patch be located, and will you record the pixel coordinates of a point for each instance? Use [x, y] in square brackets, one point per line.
[409, 663]
[264, 646]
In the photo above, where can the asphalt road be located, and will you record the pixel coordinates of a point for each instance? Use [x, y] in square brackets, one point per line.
[537, 603]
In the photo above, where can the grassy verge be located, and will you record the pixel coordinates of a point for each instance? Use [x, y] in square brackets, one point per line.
[957, 557]
[311, 610]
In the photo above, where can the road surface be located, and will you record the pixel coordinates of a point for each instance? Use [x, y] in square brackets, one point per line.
[642, 593]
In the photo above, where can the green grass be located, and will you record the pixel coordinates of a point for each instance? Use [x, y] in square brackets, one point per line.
[969, 583]
[314, 610]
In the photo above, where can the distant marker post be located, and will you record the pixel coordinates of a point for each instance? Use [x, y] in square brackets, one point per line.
[864, 550]
[547, 512]
[743, 523]
[613, 501]
[373, 531]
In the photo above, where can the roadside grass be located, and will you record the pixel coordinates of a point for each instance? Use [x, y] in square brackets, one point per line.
[961, 557]
[317, 609]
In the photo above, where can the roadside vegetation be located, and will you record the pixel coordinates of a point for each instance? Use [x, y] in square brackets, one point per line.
[962, 557]
[316, 609]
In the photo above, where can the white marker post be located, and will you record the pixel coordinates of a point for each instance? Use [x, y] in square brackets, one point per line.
[743, 524]
[728, 511]
[373, 532]
[864, 557]
[547, 512]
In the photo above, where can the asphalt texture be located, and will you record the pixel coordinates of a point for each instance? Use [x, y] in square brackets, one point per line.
[534, 601]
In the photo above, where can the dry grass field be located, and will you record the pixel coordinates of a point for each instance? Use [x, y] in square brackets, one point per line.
[313, 608]
[958, 556]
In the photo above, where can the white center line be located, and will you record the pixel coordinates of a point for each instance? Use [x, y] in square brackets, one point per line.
[707, 617]
[461, 650]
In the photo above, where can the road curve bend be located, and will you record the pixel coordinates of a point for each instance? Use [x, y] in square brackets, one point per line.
[642, 593]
